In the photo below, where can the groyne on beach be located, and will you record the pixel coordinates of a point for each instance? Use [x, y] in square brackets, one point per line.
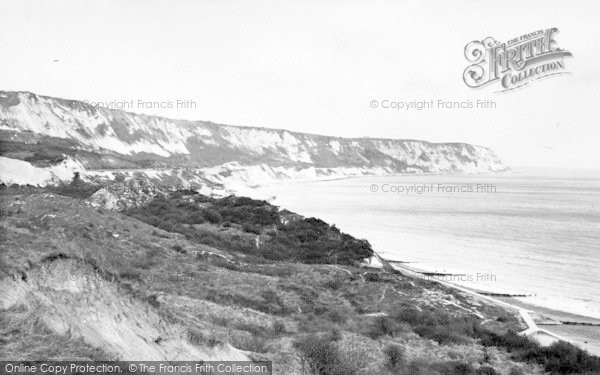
[533, 331]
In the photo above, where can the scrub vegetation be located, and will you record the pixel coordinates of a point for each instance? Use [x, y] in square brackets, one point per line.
[237, 278]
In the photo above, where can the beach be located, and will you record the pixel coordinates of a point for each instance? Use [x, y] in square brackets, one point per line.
[580, 330]
[521, 233]
[544, 325]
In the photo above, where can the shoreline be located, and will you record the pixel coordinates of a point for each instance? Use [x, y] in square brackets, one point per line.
[545, 325]
[516, 298]
[328, 178]
[539, 319]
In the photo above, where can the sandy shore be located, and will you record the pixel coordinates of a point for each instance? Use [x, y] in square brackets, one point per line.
[586, 334]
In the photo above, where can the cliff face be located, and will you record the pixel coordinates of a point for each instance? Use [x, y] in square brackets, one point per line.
[48, 131]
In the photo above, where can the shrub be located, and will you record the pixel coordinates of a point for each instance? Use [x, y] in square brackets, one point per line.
[439, 325]
[560, 357]
[278, 328]
[564, 357]
[337, 316]
[196, 218]
[372, 277]
[251, 228]
[309, 240]
[394, 356]
[271, 300]
[130, 274]
[320, 356]
[334, 283]
[120, 177]
[441, 334]
[76, 189]
[197, 338]
[166, 225]
[178, 249]
[383, 326]
[253, 343]
[212, 216]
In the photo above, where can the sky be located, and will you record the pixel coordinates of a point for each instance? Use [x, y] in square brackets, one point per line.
[316, 66]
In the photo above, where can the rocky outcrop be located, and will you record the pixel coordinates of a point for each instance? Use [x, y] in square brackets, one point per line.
[122, 195]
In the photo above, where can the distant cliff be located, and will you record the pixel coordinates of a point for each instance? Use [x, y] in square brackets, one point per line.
[50, 132]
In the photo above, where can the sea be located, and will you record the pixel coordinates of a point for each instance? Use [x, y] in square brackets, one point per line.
[529, 232]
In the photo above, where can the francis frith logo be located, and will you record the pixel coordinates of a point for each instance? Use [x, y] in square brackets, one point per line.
[515, 63]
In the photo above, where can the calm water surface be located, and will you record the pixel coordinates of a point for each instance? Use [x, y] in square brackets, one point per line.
[534, 232]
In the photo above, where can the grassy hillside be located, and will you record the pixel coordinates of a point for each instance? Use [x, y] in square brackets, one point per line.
[191, 277]
[252, 227]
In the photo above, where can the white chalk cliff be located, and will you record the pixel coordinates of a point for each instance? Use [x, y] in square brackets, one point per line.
[55, 135]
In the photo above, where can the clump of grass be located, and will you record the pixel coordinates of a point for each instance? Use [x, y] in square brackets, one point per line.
[320, 355]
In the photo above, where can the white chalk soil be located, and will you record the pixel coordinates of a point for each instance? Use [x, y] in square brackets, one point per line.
[72, 299]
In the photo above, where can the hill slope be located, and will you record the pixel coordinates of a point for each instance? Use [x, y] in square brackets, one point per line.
[187, 276]
[47, 131]
[79, 282]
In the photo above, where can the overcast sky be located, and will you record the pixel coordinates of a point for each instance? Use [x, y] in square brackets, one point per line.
[315, 66]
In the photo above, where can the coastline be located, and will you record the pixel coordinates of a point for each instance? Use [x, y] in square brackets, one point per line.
[585, 334]
[247, 188]
[542, 318]
[520, 299]
[545, 325]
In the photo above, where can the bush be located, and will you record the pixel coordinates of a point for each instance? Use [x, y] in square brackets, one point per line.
[253, 343]
[372, 277]
[178, 249]
[251, 228]
[337, 315]
[560, 357]
[309, 240]
[76, 189]
[334, 283]
[439, 325]
[320, 356]
[120, 177]
[212, 216]
[441, 334]
[384, 326]
[278, 328]
[394, 356]
[166, 225]
[197, 338]
[196, 218]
